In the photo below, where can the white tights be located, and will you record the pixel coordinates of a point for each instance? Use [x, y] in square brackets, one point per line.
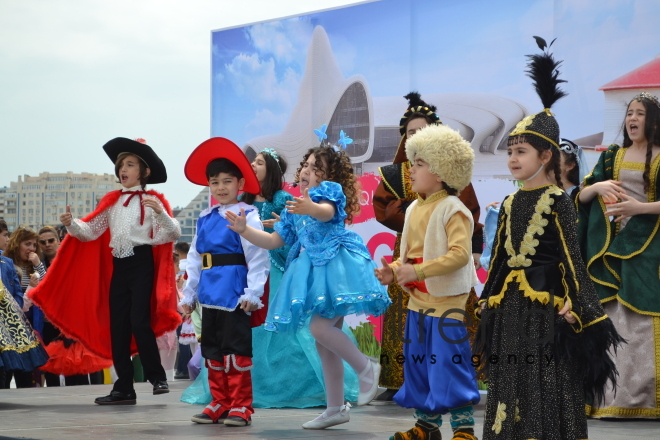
[334, 346]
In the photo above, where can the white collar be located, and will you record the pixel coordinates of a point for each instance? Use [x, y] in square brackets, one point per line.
[135, 188]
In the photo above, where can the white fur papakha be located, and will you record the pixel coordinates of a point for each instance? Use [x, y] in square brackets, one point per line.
[450, 157]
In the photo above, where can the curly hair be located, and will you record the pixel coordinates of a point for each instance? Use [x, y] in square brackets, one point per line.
[339, 170]
[17, 237]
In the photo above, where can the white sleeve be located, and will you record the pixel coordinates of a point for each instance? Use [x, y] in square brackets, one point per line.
[258, 264]
[91, 230]
[166, 229]
[193, 270]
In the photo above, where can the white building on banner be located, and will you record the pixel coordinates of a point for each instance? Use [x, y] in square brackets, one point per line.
[326, 97]
[619, 92]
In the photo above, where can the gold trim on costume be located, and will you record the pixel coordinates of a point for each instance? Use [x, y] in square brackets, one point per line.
[617, 411]
[432, 198]
[518, 276]
[595, 321]
[536, 227]
[387, 184]
[656, 339]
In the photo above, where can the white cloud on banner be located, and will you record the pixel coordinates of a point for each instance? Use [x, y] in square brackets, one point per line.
[257, 80]
[265, 122]
[285, 40]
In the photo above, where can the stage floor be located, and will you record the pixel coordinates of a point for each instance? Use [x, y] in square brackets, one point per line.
[69, 413]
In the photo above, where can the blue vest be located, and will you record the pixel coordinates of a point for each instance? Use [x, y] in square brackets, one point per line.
[220, 286]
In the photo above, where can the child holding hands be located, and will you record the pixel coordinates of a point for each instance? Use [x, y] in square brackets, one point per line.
[327, 274]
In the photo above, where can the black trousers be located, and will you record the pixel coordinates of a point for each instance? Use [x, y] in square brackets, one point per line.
[225, 333]
[130, 315]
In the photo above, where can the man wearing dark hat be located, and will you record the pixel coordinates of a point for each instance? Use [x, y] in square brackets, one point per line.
[391, 199]
[125, 298]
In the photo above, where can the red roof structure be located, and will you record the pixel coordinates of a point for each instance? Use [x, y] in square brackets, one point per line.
[646, 76]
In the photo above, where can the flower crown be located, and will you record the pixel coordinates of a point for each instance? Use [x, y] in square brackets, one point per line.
[648, 96]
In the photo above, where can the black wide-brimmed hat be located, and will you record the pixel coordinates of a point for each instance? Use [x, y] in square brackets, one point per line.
[120, 145]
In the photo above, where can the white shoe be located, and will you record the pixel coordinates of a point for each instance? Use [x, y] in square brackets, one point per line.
[336, 419]
[368, 396]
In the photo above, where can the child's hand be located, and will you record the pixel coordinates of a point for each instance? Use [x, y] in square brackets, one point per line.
[406, 274]
[492, 205]
[152, 202]
[567, 316]
[627, 207]
[609, 190]
[301, 205]
[66, 219]
[271, 223]
[187, 309]
[384, 274]
[237, 223]
[33, 258]
[247, 306]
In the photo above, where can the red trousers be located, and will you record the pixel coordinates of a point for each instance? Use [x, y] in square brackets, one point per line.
[231, 387]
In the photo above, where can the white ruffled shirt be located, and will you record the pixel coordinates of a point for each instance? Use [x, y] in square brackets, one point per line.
[126, 231]
[257, 260]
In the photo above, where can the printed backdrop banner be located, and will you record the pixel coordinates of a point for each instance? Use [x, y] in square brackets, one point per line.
[274, 83]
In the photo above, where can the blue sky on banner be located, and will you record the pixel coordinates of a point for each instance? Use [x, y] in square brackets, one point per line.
[434, 47]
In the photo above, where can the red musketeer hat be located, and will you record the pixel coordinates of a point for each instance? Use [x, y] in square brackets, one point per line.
[220, 148]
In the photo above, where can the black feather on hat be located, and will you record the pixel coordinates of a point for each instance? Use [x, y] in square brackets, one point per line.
[543, 69]
[417, 105]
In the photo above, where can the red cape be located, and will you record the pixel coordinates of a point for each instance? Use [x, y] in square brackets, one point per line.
[75, 293]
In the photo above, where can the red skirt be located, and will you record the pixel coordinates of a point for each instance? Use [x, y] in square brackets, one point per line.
[72, 360]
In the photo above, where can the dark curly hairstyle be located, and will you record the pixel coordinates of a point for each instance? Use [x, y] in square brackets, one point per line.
[651, 133]
[542, 145]
[339, 170]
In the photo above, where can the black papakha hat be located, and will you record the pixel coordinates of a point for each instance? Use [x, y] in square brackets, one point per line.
[543, 69]
[417, 105]
[120, 145]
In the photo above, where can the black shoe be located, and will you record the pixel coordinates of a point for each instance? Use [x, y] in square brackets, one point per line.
[116, 398]
[205, 418]
[237, 421]
[180, 376]
[385, 398]
[160, 387]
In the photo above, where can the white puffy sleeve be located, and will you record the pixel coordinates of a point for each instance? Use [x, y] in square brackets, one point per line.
[88, 231]
[193, 270]
[165, 228]
[258, 264]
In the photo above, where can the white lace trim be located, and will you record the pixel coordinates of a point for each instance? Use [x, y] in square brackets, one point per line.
[233, 360]
[213, 408]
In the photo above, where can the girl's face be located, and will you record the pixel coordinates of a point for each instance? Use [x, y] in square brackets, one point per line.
[565, 169]
[524, 160]
[26, 248]
[635, 120]
[259, 168]
[129, 172]
[308, 174]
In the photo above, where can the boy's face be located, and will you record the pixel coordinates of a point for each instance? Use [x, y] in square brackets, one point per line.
[423, 180]
[4, 239]
[225, 187]
[414, 126]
